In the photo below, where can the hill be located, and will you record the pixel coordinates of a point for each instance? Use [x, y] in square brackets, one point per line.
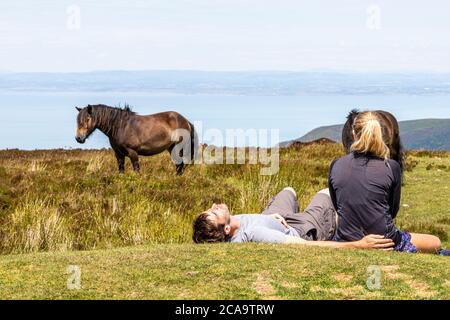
[428, 134]
[130, 234]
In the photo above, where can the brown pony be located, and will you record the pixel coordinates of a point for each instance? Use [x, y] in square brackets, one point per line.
[390, 129]
[132, 135]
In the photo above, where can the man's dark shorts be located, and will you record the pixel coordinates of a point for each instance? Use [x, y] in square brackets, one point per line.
[317, 222]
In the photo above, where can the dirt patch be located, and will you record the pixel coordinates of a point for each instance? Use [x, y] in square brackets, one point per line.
[421, 289]
[388, 269]
[289, 285]
[264, 288]
[354, 292]
[342, 277]
[316, 289]
[350, 292]
[391, 272]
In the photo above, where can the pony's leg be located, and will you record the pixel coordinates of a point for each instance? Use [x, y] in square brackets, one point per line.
[120, 161]
[179, 168]
[134, 160]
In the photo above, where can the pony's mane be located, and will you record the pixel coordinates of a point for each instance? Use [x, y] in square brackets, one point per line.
[352, 114]
[109, 119]
[126, 108]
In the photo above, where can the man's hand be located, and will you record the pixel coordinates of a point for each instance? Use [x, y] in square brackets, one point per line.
[374, 241]
[280, 219]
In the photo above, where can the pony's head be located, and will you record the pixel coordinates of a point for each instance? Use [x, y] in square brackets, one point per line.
[85, 123]
[347, 136]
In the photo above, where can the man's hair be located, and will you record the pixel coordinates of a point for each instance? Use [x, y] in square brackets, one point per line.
[206, 230]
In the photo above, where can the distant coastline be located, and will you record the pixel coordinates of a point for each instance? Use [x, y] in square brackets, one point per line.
[232, 82]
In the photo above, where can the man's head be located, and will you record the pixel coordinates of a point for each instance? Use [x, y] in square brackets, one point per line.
[212, 225]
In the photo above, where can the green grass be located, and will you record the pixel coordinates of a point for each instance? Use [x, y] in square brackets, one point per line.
[137, 230]
[224, 271]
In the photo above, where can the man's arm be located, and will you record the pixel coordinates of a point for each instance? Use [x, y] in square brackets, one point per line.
[263, 234]
[371, 241]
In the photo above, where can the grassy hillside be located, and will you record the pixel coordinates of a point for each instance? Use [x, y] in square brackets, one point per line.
[54, 203]
[426, 134]
[429, 134]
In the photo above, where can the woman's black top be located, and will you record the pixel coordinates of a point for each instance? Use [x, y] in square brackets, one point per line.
[365, 192]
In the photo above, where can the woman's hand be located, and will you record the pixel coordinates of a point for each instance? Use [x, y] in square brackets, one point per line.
[375, 241]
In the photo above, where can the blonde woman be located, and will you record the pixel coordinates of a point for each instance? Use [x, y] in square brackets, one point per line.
[365, 188]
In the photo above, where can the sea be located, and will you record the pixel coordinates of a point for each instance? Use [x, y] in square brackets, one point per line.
[47, 120]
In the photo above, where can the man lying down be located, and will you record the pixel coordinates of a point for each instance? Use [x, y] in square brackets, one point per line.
[281, 222]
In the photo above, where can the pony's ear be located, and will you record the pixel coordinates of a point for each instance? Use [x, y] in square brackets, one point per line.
[79, 109]
[89, 109]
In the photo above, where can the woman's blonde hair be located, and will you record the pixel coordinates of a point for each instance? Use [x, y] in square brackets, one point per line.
[369, 135]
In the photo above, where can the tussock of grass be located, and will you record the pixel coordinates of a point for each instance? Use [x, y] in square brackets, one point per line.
[34, 226]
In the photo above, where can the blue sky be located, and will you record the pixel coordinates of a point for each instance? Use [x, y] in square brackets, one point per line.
[346, 35]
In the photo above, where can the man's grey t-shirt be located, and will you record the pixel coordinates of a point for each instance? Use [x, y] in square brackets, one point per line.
[261, 228]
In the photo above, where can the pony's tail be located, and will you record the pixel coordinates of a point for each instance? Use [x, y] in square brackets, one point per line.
[402, 157]
[194, 143]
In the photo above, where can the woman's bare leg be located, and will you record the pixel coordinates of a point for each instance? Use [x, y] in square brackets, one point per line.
[426, 242]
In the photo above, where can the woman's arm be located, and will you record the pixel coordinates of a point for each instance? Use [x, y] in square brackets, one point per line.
[331, 187]
[371, 241]
[395, 190]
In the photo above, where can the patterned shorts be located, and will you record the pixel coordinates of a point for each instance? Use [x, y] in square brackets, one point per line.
[405, 244]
